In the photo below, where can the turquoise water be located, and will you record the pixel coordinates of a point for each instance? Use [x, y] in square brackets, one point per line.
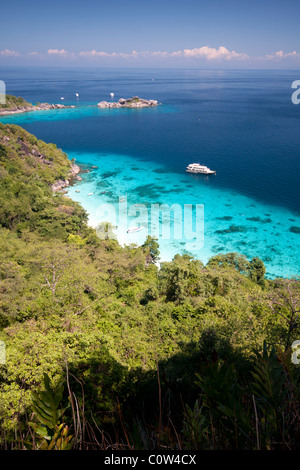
[232, 221]
[240, 123]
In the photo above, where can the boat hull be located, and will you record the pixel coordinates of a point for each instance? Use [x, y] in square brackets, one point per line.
[201, 172]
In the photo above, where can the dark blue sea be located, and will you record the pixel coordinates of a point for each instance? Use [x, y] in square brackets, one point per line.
[241, 123]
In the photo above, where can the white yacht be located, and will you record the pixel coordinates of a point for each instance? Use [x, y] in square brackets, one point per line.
[197, 168]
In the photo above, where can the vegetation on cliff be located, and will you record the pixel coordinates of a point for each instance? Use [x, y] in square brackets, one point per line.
[105, 349]
[14, 102]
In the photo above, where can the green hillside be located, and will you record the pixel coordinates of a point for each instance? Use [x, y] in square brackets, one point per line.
[13, 102]
[188, 356]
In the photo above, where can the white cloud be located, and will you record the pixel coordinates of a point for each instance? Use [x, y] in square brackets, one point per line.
[9, 53]
[211, 53]
[94, 53]
[125, 55]
[60, 52]
[56, 51]
[280, 55]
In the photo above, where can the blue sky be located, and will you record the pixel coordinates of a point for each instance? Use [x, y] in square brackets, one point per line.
[169, 33]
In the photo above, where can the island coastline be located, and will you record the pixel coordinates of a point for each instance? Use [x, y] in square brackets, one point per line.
[134, 102]
[60, 184]
[27, 109]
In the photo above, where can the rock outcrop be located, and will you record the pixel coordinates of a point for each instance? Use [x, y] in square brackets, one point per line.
[134, 102]
[61, 184]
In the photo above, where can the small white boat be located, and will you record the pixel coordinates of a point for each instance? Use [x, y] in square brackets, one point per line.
[134, 229]
[62, 98]
[112, 95]
[90, 194]
[77, 94]
[200, 169]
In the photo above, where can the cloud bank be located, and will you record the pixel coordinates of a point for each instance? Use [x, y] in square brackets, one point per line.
[204, 54]
[9, 53]
[61, 53]
[281, 55]
[210, 53]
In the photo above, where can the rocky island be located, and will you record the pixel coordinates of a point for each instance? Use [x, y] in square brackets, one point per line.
[134, 102]
[15, 105]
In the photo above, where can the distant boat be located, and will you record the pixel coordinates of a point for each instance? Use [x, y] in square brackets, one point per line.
[112, 95]
[134, 229]
[90, 194]
[200, 169]
[62, 98]
[77, 94]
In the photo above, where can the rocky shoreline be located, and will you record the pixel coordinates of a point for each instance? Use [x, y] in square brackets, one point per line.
[62, 184]
[134, 102]
[39, 107]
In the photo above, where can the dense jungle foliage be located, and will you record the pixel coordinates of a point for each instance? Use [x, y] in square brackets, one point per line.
[105, 350]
